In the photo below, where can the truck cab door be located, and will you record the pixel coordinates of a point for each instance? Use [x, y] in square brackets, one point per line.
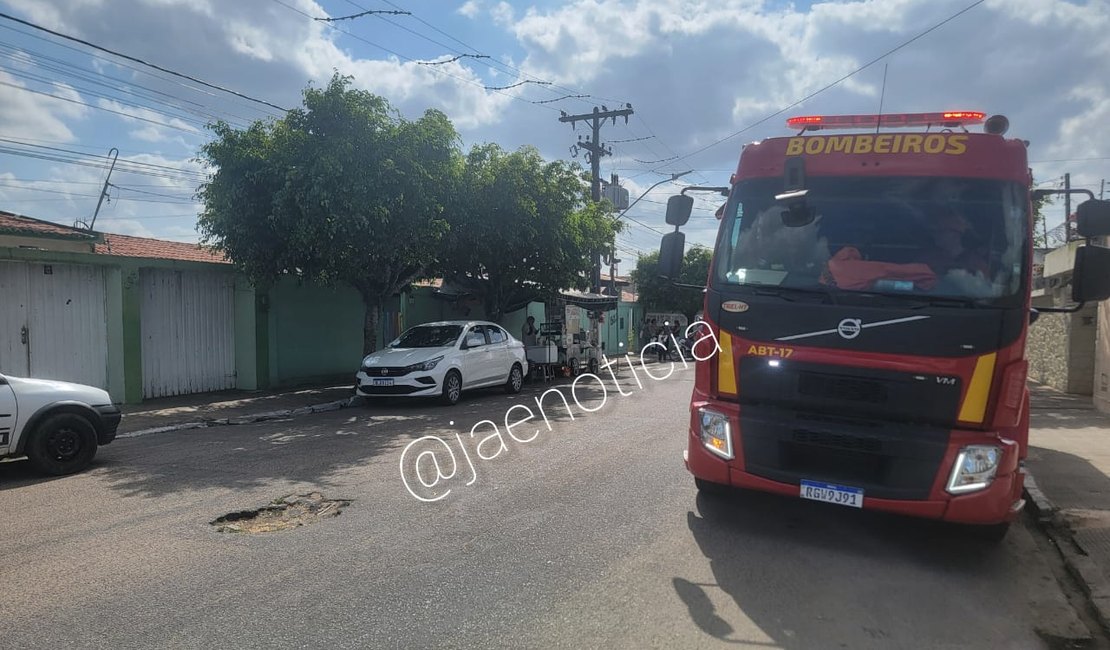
[7, 416]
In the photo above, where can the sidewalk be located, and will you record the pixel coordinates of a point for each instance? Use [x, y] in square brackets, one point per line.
[1069, 458]
[229, 407]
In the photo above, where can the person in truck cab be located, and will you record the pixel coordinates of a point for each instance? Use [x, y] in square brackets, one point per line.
[952, 246]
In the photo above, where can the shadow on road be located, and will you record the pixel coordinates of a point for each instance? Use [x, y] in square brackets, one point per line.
[312, 448]
[857, 569]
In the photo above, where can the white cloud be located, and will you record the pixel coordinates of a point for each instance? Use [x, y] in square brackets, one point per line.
[470, 8]
[502, 13]
[26, 114]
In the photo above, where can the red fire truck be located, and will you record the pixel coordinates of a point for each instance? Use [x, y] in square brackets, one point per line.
[869, 299]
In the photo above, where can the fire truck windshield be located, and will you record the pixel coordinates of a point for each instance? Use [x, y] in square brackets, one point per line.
[945, 237]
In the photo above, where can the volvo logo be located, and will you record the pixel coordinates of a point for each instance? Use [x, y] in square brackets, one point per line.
[849, 328]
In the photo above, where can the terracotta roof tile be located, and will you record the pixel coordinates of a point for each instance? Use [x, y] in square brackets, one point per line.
[14, 223]
[128, 246]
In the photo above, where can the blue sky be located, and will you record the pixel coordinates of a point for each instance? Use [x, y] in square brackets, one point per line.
[694, 71]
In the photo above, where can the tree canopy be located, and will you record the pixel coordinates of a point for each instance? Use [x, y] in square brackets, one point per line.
[521, 228]
[341, 190]
[657, 294]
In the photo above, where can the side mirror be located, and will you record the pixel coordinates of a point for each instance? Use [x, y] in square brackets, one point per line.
[670, 254]
[679, 209]
[1091, 277]
[1092, 218]
[1033, 316]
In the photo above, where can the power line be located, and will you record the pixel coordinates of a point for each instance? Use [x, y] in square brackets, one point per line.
[140, 61]
[837, 82]
[365, 13]
[402, 56]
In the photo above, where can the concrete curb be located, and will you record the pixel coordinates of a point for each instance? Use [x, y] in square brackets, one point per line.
[244, 419]
[1080, 565]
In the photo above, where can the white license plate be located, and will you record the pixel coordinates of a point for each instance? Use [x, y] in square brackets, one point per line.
[838, 494]
[383, 382]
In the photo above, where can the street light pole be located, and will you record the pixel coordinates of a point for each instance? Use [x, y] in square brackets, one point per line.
[674, 177]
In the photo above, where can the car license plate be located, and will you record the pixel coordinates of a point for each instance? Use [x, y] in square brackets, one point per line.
[838, 494]
[383, 382]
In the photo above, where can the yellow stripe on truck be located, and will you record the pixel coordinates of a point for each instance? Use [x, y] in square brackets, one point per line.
[726, 372]
[974, 408]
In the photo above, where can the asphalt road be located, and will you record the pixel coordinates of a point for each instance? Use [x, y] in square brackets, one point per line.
[590, 535]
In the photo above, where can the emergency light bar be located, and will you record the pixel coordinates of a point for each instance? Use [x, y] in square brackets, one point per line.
[890, 120]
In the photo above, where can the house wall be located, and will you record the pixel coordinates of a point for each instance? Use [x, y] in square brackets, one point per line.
[1061, 347]
[314, 332]
[1100, 387]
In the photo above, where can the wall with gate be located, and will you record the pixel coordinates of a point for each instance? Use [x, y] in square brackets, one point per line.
[53, 322]
[188, 331]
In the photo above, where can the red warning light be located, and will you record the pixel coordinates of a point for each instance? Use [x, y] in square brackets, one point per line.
[891, 120]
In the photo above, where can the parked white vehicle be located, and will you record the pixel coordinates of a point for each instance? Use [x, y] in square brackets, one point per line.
[56, 424]
[443, 359]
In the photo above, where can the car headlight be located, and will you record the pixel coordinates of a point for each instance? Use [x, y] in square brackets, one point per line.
[715, 433]
[974, 468]
[425, 365]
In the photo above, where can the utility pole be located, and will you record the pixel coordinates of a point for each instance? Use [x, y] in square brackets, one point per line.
[1067, 207]
[104, 191]
[595, 151]
[1102, 189]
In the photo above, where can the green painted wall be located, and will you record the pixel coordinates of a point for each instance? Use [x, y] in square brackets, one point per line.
[130, 320]
[315, 332]
[246, 351]
[113, 309]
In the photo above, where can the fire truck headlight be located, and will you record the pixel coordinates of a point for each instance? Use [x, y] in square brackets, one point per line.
[715, 433]
[974, 468]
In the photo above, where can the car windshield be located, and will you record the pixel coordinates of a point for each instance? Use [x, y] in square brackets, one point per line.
[429, 336]
[957, 238]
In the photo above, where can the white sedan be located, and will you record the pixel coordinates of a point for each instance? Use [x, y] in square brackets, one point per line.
[443, 359]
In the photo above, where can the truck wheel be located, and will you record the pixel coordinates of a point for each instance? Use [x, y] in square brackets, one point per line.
[516, 380]
[711, 489]
[452, 388]
[62, 444]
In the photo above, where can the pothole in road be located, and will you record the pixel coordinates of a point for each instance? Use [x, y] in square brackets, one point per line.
[288, 512]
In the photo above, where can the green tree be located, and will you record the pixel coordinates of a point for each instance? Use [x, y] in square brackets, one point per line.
[657, 294]
[341, 190]
[521, 228]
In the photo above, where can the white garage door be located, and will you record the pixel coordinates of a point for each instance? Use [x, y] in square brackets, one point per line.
[53, 324]
[188, 331]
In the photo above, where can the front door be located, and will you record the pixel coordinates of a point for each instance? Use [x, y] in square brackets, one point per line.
[14, 334]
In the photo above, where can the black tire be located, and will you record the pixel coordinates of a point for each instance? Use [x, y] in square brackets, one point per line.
[709, 488]
[62, 444]
[574, 369]
[515, 381]
[452, 388]
[594, 367]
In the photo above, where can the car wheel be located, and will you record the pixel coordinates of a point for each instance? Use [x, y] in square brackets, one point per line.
[594, 367]
[516, 380]
[62, 444]
[574, 367]
[452, 387]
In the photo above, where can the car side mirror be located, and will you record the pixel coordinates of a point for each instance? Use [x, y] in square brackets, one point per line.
[1091, 276]
[1033, 316]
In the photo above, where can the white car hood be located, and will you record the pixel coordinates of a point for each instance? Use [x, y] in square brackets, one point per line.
[37, 389]
[400, 357]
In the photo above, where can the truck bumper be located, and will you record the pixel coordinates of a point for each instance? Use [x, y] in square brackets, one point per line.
[999, 502]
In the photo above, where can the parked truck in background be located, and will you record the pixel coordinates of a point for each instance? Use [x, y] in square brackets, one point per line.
[869, 297]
